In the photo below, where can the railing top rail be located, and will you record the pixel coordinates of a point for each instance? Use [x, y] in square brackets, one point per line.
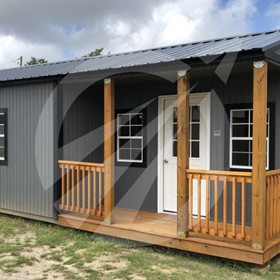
[273, 172]
[80, 163]
[219, 173]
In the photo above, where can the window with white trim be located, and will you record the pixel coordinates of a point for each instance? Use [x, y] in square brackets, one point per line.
[241, 138]
[3, 136]
[130, 137]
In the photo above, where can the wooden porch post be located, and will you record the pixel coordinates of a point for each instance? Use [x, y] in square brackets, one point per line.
[109, 149]
[183, 153]
[259, 154]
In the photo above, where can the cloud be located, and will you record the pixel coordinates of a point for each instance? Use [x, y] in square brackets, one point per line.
[12, 48]
[274, 12]
[59, 30]
[181, 21]
[274, 9]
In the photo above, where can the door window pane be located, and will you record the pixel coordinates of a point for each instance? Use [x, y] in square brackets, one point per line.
[195, 114]
[174, 148]
[194, 132]
[195, 149]
[2, 141]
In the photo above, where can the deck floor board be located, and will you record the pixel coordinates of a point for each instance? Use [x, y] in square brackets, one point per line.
[160, 229]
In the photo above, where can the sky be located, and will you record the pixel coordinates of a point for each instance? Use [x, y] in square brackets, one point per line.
[66, 29]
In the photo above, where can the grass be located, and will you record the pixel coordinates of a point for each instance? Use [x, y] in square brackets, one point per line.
[35, 250]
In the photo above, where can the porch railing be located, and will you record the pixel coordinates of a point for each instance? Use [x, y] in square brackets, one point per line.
[272, 203]
[218, 201]
[82, 187]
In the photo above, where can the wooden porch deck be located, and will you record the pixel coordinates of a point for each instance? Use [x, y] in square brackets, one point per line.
[160, 229]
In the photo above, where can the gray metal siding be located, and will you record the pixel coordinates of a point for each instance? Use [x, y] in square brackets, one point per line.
[136, 187]
[21, 188]
[83, 120]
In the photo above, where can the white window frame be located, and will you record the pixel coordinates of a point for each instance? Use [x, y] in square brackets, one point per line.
[3, 135]
[129, 138]
[247, 138]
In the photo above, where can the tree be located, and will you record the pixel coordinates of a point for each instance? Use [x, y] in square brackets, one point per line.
[33, 60]
[96, 52]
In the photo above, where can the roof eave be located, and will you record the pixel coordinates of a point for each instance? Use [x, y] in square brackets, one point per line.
[272, 57]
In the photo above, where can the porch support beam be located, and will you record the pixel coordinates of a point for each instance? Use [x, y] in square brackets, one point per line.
[109, 148]
[183, 90]
[259, 154]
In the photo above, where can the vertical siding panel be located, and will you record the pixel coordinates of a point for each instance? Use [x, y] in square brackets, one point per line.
[42, 160]
[17, 136]
[274, 96]
[20, 186]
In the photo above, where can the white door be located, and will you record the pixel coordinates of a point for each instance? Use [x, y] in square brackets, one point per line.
[199, 147]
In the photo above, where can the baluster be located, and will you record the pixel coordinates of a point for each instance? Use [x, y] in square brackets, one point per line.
[267, 208]
[99, 192]
[191, 202]
[62, 186]
[243, 208]
[83, 190]
[73, 188]
[207, 202]
[102, 197]
[271, 206]
[68, 188]
[94, 191]
[234, 207]
[216, 201]
[225, 206]
[89, 190]
[78, 188]
[199, 202]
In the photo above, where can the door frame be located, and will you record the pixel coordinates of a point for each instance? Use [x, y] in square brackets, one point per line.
[161, 99]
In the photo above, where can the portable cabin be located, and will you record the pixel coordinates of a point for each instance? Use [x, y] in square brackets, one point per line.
[175, 146]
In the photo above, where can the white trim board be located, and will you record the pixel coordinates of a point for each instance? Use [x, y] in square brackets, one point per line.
[161, 100]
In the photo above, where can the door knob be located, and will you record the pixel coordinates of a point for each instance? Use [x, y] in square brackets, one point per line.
[165, 161]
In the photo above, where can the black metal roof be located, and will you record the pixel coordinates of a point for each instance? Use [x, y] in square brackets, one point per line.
[258, 41]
